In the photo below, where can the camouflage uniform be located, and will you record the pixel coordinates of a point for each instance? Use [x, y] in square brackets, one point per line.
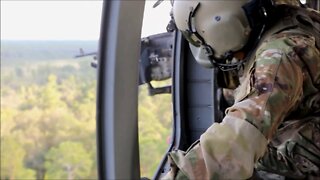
[274, 124]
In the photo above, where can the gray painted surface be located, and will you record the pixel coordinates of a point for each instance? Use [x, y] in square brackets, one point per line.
[200, 98]
[117, 126]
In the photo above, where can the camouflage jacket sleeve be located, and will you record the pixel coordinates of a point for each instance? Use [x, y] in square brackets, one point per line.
[270, 89]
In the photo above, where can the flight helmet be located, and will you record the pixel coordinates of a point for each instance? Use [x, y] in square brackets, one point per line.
[214, 29]
[217, 29]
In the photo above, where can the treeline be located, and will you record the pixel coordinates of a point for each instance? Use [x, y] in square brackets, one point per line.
[17, 52]
[48, 128]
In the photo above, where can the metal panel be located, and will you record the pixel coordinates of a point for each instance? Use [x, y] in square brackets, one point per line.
[199, 118]
[200, 98]
[117, 126]
[200, 93]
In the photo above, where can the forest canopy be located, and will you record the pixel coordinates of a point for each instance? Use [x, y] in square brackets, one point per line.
[48, 100]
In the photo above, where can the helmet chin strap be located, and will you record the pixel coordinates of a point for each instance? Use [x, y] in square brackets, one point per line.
[224, 63]
[226, 66]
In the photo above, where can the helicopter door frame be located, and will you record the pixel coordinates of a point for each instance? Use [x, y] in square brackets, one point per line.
[117, 114]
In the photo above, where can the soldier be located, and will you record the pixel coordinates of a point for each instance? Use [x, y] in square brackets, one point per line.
[274, 124]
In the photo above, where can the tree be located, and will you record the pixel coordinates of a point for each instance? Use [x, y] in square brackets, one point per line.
[7, 122]
[152, 141]
[43, 104]
[43, 124]
[50, 96]
[69, 160]
[12, 155]
[154, 129]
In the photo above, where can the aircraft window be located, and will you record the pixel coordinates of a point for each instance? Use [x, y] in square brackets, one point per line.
[48, 97]
[155, 107]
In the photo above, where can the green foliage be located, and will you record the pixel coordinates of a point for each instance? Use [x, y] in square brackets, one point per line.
[7, 122]
[12, 155]
[154, 129]
[43, 105]
[69, 161]
[50, 97]
[48, 125]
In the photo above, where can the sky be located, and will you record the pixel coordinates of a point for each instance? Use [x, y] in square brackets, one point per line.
[67, 20]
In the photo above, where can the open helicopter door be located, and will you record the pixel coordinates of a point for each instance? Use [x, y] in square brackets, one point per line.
[117, 126]
[194, 92]
[196, 100]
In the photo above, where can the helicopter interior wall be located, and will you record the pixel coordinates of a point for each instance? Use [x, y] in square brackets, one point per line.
[200, 95]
